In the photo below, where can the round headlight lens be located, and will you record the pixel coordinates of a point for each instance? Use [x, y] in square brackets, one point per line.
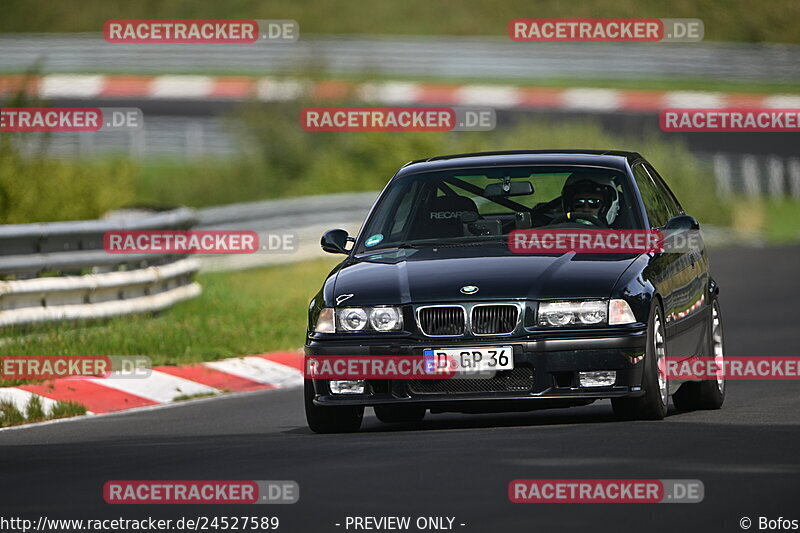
[592, 312]
[557, 314]
[385, 318]
[353, 319]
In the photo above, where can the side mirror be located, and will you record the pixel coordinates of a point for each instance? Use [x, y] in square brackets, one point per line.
[682, 223]
[334, 241]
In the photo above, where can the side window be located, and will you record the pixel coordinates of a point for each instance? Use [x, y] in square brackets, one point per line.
[654, 204]
[673, 206]
[402, 216]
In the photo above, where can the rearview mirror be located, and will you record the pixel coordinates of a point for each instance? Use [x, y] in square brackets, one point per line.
[510, 188]
[682, 223]
[334, 241]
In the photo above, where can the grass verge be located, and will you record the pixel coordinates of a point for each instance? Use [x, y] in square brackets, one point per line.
[732, 20]
[34, 411]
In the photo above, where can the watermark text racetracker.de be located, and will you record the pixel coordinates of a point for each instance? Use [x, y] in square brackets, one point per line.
[605, 30]
[398, 119]
[215, 492]
[70, 118]
[64, 366]
[604, 241]
[606, 491]
[197, 242]
[200, 31]
[730, 120]
[731, 368]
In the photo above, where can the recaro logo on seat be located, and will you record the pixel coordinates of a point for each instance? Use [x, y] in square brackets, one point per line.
[447, 214]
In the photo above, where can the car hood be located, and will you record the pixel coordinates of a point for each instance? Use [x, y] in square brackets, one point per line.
[427, 277]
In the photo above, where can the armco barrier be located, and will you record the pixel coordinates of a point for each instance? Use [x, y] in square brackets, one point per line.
[59, 271]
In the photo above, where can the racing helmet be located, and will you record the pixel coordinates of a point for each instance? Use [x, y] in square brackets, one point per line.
[583, 182]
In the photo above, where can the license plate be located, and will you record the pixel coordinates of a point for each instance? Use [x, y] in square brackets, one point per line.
[468, 360]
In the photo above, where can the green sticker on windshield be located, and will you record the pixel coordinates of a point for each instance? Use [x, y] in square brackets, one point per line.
[375, 239]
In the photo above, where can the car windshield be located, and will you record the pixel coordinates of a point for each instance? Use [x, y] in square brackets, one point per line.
[486, 204]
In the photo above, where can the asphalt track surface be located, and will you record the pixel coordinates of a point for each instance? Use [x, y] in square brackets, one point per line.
[453, 465]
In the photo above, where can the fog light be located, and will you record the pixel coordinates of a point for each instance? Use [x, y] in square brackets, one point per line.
[600, 378]
[348, 386]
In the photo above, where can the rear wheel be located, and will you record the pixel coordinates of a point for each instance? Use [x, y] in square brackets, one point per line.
[337, 419]
[653, 404]
[708, 394]
[399, 413]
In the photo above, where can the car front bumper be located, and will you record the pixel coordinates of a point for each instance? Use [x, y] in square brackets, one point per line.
[545, 373]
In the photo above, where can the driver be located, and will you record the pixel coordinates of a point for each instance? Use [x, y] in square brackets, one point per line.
[590, 194]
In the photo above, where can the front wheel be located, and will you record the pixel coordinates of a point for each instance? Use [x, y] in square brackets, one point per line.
[708, 394]
[653, 404]
[336, 419]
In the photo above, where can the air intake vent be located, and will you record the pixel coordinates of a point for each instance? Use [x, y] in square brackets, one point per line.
[518, 380]
[494, 319]
[442, 320]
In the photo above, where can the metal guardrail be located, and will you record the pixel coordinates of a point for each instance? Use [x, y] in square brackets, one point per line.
[466, 57]
[306, 218]
[60, 271]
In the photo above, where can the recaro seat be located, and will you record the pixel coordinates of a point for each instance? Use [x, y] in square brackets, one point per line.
[441, 218]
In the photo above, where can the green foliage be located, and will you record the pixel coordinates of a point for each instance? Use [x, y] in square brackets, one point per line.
[726, 20]
[291, 162]
[10, 415]
[35, 187]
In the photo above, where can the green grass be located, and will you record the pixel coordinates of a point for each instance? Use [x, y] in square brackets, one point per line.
[10, 415]
[725, 20]
[671, 83]
[239, 313]
[782, 221]
[639, 84]
[187, 397]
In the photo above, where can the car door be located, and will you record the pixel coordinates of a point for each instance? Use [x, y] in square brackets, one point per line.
[688, 316]
[666, 270]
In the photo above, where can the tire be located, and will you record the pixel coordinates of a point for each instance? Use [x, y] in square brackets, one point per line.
[339, 419]
[655, 401]
[708, 394]
[394, 414]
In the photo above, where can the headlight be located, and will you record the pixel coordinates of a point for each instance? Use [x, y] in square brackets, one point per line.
[586, 312]
[385, 318]
[353, 318]
[325, 323]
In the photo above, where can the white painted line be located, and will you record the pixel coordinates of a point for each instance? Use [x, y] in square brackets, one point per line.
[392, 92]
[260, 370]
[71, 86]
[158, 386]
[124, 412]
[591, 99]
[270, 90]
[693, 99]
[488, 95]
[182, 87]
[20, 398]
[790, 101]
